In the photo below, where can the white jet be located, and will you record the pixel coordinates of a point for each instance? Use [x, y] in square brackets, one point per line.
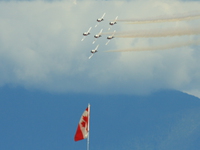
[97, 36]
[113, 22]
[93, 51]
[86, 33]
[100, 19]
[110, 37]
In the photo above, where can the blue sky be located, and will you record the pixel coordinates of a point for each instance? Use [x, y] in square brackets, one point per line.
[38, 120]
[46, 79]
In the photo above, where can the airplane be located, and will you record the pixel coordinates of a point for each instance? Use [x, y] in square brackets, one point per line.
[86, 33]
[97, 36]
[113, 22]
[93, 51]
[100, 19]
[110, 37]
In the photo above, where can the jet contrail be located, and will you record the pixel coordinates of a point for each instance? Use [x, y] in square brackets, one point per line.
[161, 19]
[162, 47]
[158, 33]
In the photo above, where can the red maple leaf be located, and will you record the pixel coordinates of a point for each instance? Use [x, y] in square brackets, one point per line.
[83, 124]
[85, 118]
[85, 121]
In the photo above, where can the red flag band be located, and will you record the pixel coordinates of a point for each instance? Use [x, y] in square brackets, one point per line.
[83, 126]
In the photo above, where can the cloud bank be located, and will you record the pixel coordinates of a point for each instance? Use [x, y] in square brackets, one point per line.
[41, 48]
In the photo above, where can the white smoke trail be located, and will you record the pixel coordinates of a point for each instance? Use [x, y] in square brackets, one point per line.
[158, 33]
[162, 47]
[161, 19]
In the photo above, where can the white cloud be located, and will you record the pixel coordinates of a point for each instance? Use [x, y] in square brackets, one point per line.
[40, 47]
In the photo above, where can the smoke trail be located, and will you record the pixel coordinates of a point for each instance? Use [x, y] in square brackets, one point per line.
[162, 47]
[156, 33]
[161, 19]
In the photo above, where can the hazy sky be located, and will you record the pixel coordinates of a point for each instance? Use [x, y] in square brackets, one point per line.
[41, 48]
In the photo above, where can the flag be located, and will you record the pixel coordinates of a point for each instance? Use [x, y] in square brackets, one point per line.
[82, 131]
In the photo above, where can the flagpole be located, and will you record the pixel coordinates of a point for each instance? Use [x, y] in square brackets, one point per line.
[88, 138]
[88, 142]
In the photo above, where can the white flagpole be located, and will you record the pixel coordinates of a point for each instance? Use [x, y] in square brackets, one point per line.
[88, 138]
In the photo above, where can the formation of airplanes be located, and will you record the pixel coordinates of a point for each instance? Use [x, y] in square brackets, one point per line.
[85, 34]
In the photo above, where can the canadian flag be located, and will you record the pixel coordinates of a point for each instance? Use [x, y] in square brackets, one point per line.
[83, 126]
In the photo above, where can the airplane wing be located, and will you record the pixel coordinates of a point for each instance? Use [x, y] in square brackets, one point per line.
[97, 47]
[96, 24]
[107, 42]
[103, 15]
[113, 33]
[116, 18]
[83, 38]
[90, 56]
[100, 31]
[89, 29]
[94, 41]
